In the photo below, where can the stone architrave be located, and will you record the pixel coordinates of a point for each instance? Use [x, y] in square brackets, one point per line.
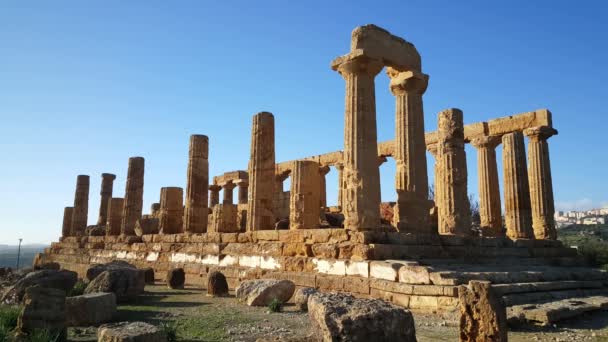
[518, 214]
[81, 205]
[243, 185]
[115, 211]
[260, 214]
[324, 170]
[361, 175]
[171, 210]
[489, 191]
[411, 179]
[197, 187]
[214, 196]
[304, 195]
[107, 182]
[134, 196]
[66, 227]
[452, 202]
[541, 184]
[228, 197]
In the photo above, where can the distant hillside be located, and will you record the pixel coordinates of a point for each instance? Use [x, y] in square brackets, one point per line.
[8, 254]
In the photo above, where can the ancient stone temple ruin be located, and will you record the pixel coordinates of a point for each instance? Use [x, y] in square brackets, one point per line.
[414, 257]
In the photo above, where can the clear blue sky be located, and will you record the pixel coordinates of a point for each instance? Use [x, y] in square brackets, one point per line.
[84, 85]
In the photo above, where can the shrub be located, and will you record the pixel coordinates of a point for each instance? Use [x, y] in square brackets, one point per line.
[170, 330]
[78, 289]
[275, 306]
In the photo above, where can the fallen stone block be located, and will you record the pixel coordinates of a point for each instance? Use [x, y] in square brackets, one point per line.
[130, 332]
[217, 286]
[262, 292]
[62, 280]
[43, 308]
[176, 278]
[90, 309]
[482, 314]
[125, 283]
[300, 297]
[97, 269]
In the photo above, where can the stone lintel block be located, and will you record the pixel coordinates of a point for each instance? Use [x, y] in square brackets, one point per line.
[266, 235]
[414, 275]
[385, 270]
[378, 43]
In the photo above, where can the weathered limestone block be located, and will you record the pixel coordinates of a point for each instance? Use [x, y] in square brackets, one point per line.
[541, 184]
[66, 227]
[176, 278]
[96, 269]
[63, 280]
[107, 182]
[114, 213]
[342, 317]
[224, 219]
[171, 210]
[228, 192]
[81, 206]
[95, 230]
[197, 187]
[130, 332]
[304, 204]
[134, 195]
[361, 176]
[217, 285]
[147, 225]
[90, 309]
[43, 308]
[518, 215]
[263, 291]
[411, 179]
[453, 203]
[300, 297]
[214, 196]
[125, 283]
[482, 314]
[490, 211]
[261, 173]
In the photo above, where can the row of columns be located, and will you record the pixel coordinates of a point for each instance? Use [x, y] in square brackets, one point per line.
[228, 196]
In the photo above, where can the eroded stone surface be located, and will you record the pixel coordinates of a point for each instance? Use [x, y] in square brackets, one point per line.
[262, 292]
[90, 309]
[43, 308]
[217, 285]
[482, 314]
[134, 196]
[130, 332]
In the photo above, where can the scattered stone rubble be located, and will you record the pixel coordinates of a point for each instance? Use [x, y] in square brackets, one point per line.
[262, 292]
[130, 332]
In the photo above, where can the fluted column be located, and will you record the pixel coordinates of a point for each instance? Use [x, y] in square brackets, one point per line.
[541, 184]
[171, 210]
[81, 206]
[228, 193]
[340, 169]
[197, 185]
[453, 202]
[361, 200]
[518, 216]
[304, 195]
[243, 185]
[107, 182]
[323, 186]
[261, 174]
[115, 211]
[214, 196]
[66, 227]
[134, 196]
[411, 180]
[489, 192]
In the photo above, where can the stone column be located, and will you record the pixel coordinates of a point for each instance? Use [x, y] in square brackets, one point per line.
[453, 202]
[134, 196]
[518, 215]
[81, 205]
[155, 209]
[489, 192]
[243, 186]
[107, 182]
[261, 173]
[323, 186]
[115, 210]
[305, 195]
[340, 169]
[541, 184]
[228, 193]
[170, 219]
[432, 148]
[197, 185]
[361, 200]
[411, 180]
[214, 196]
[66, 228]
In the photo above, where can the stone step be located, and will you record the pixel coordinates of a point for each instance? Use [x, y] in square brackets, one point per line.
[516, 275]
[550, 296]
[551, 312]
[504, 289]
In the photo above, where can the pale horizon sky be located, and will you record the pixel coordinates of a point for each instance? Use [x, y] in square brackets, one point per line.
[86, 85]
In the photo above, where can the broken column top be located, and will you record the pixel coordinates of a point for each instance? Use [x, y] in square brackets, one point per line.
[377, 43]
[199, 146]
[108, 175]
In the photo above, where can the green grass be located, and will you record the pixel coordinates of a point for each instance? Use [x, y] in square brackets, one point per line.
[78, 289]
[275, 305]
[210, 326]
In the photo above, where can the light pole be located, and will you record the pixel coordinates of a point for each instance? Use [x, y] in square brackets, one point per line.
[18, 253]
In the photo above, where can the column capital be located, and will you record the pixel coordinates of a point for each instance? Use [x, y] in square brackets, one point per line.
[339, 166]
[214, 187]
[432, 148]
[487, 141]
[403, 82]
[228, 185]
[357, 63]
[323, 170]
[108, 176]
[241, 182]
[381, 160]
[539, 133]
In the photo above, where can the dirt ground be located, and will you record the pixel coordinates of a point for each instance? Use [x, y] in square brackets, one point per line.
[201, 318]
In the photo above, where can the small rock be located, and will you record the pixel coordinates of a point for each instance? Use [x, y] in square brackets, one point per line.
[300, 297]
[217, 286]
[262, 292]
[176, 278]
